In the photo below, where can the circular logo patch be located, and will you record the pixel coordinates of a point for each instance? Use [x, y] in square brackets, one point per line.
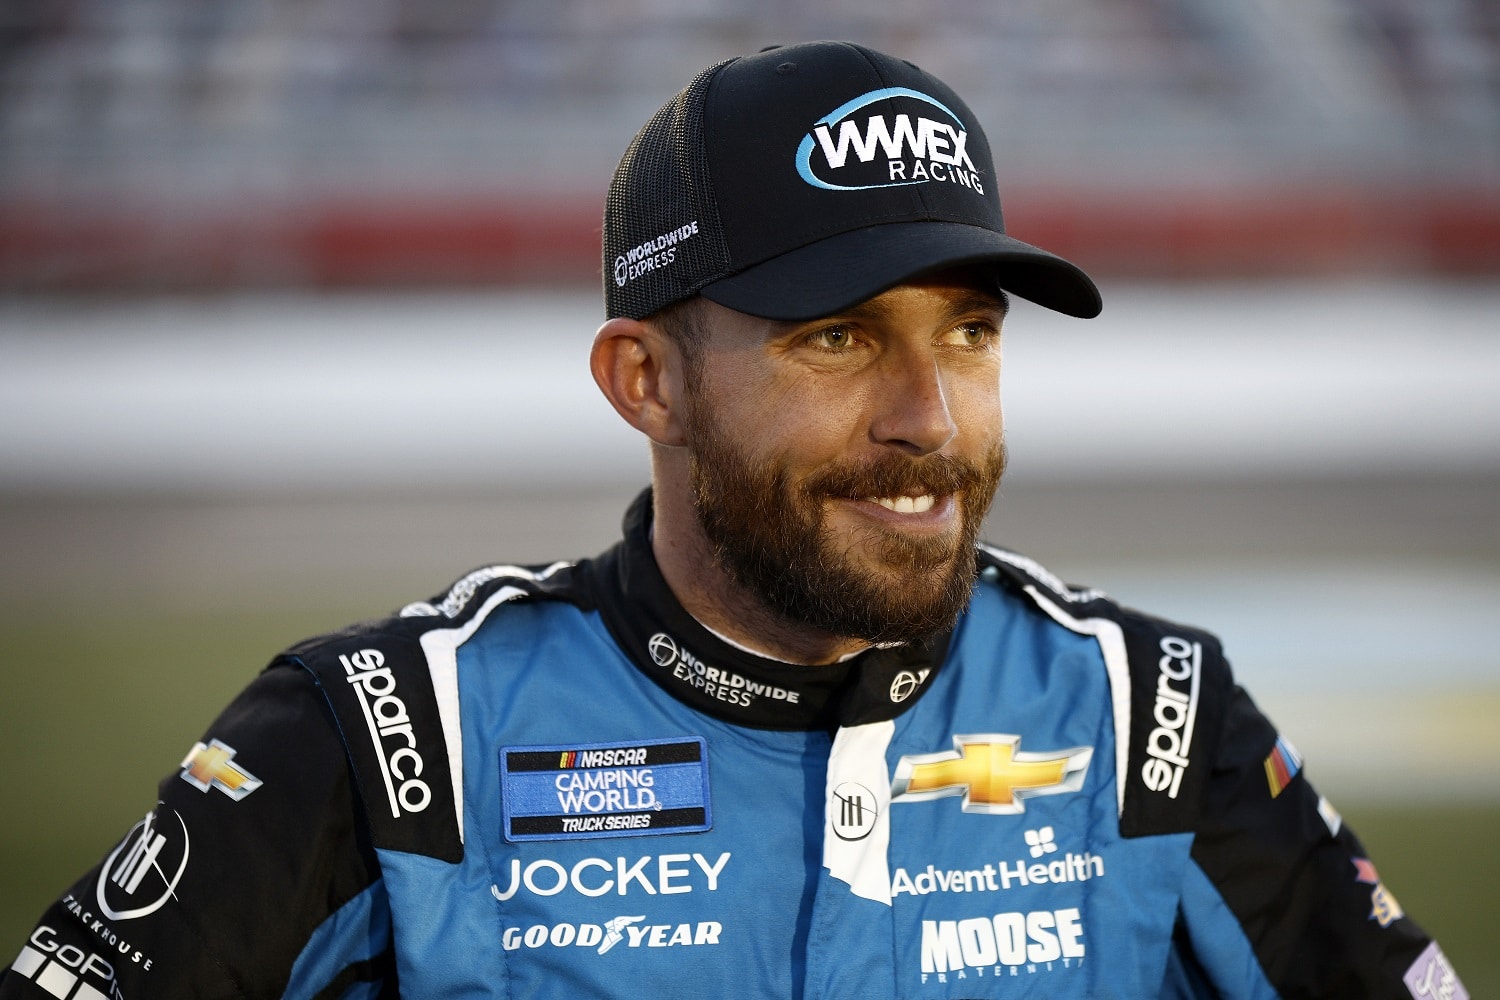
[852, 811]
[903, 685]
[663, 649]
[142, 872]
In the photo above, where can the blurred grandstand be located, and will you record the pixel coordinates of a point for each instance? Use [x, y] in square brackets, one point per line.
[173, 144]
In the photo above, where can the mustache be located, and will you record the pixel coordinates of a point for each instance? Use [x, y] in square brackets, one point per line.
[893, 475]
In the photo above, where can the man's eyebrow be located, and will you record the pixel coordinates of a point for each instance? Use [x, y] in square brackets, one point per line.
[983, 302]
[970, 302]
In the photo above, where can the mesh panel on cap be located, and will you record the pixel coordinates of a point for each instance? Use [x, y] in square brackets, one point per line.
[662, 237]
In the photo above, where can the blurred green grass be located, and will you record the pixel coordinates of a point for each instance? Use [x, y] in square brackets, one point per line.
[101, 703]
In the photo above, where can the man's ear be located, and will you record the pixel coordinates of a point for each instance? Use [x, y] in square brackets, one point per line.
[639, 370]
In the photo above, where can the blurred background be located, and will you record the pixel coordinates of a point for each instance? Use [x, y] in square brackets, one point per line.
[296, 298]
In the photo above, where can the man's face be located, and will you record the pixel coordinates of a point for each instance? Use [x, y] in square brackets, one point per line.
[841, 467]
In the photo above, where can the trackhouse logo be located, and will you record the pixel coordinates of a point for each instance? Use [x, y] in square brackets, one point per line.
[853, 811]
[142, 872]
[915, 139]
[107, 935]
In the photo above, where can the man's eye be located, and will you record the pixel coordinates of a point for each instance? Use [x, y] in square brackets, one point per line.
[973, 334]
[834, 338]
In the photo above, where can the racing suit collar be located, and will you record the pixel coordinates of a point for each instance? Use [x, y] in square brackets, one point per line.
[732, 683]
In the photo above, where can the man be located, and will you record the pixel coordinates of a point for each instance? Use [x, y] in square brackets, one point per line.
[798, 734]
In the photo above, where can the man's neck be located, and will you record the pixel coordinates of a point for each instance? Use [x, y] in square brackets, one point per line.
[705, 591]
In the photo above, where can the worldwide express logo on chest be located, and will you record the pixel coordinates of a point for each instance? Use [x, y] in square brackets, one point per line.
[584, 791]
[888, 138]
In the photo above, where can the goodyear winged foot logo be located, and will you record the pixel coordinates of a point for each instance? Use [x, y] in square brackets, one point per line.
[992, 774]
[627, 931]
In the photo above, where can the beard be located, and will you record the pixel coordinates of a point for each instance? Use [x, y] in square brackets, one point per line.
[771, 536]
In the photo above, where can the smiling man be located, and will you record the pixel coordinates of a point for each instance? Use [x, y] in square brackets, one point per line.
[845, 512]
[799, 734]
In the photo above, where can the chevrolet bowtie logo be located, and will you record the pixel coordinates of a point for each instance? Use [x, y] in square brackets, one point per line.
[212, 766]
[993, 776]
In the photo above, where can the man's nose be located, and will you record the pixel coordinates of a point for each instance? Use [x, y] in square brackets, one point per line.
[913, 411]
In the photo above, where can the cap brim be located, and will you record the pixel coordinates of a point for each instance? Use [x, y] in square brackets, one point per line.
[844, 270]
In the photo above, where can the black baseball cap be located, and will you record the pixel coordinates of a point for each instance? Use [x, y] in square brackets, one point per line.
[805, 179]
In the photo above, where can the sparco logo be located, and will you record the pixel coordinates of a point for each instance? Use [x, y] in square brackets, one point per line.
[142, 873]
[390, 729]
[849, 151]
[1175, 713]
[615, 931]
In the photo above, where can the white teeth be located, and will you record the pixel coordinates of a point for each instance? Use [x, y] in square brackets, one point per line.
[906, 505]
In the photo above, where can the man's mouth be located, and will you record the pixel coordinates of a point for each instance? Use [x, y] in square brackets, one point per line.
[905, 504]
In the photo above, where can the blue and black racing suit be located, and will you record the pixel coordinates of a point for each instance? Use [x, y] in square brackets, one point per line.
[553, 782]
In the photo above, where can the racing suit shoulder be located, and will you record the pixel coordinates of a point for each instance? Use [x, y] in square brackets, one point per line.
[1280, 899]
[392, 687]
[257, 872]
[1170, 688]
[252, 849]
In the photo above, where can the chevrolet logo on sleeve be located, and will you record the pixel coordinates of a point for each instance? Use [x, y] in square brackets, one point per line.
[992, 775]
[212, 765]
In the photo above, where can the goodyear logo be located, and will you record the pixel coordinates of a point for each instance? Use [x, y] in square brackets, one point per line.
[913, 139]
